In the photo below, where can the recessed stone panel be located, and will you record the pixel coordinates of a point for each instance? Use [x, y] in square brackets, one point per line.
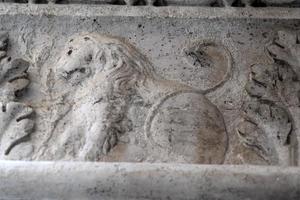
[150, 86]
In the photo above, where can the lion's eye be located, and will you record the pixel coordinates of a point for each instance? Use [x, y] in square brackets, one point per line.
[69, 52]
[82, 70]
[102, 59]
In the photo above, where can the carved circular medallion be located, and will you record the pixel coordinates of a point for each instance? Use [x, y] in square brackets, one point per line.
[187, 124]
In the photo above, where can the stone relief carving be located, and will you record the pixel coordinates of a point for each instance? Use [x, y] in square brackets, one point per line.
[106, 103]
[99, 81]
[15, 117]
[266, 130]
[268, 125]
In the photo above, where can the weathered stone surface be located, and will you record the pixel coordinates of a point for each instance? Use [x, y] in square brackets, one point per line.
[147, 82]
[136, 88]
[269, 123]
[103, 77]
[15, 123]
[40, 180]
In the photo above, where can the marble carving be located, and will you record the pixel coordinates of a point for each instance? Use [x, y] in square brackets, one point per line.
[15, 117]
[100, 80]
[150, 99]
[268, 127]
[105, 102]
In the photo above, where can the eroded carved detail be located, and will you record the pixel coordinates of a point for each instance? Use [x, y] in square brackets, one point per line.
[16, 124]
[102, 78]
[269, 120]
[266, 130]
[211, 60]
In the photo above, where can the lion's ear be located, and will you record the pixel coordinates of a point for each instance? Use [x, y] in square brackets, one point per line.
[100, 60]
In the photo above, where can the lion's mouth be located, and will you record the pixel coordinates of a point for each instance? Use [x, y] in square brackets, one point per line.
[70, 74]
[75, 76]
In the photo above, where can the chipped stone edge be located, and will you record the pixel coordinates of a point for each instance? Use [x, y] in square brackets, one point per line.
[86, 10]
[79, 180]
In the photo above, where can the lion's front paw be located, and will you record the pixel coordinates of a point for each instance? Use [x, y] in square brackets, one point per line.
[98, 146]
[89, 153]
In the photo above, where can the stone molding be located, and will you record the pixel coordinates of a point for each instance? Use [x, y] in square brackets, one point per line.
[208, 3]
[149, 12]
[77, 180]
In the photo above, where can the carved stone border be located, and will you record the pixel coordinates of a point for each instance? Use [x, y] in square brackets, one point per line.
[163, 3]
[86, 10]
[76, 180]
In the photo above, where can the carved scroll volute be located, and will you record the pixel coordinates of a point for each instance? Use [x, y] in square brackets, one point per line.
[15, 118]
[213, 60]
[268, 124]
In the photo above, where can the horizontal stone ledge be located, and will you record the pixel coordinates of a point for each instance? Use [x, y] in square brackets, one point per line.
[78, 180]
[149, 12]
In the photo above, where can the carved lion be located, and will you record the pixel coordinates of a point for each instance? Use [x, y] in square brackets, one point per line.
[103, 75]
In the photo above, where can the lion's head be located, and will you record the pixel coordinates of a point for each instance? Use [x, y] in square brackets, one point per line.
[103, 74]
[88, 56]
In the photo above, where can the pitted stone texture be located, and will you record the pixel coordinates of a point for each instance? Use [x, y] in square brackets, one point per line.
[74, 95]
[130, 181]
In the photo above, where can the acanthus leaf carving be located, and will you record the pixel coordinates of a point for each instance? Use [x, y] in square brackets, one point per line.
[16, 124]
[286, 48]
[268, 122]
[266, 129]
